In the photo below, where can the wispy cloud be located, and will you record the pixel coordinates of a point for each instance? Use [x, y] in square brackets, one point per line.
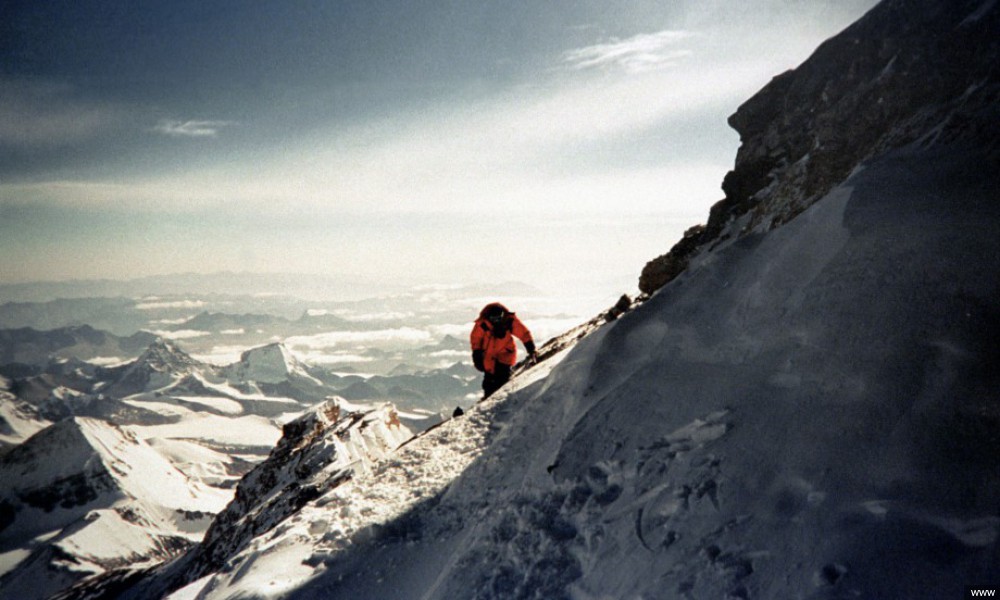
[637, 54]
[191, 128]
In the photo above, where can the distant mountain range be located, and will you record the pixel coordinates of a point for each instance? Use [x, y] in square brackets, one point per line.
[225, 283]
[146, 451]
[304, 286]
[30, 348]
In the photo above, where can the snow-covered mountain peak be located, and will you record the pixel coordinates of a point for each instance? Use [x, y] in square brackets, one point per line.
[162, 364]
[272, 363]
[92, 447]
[163, 355]
[61, 449]
[100, 496]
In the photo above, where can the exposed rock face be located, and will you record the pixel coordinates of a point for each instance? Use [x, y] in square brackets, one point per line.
[910, 71]
[662, 269]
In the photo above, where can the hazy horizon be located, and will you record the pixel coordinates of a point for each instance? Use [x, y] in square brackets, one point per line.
[561, 144]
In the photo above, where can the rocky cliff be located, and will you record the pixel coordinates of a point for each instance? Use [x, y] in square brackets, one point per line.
[919, 72]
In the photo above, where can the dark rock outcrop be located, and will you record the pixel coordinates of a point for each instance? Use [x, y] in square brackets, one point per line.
[909, 72]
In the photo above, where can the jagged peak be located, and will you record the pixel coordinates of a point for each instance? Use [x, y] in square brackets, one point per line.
[75, 441]
[163, 353]
[323, 448]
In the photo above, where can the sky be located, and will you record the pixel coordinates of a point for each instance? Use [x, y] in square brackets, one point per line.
[560, 143]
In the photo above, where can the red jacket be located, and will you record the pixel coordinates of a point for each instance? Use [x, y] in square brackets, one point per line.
[500, 349]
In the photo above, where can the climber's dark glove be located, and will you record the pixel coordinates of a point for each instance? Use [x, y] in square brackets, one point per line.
[532, 354]
[477, 360]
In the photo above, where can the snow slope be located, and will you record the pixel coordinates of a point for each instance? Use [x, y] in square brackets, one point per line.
[18, 420]
[83, 496]
[801, 415]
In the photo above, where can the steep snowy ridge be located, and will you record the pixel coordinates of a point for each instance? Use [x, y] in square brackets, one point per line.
[317, 541]
[325, 448]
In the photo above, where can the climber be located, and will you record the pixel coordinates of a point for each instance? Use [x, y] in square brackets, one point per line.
[493, 349]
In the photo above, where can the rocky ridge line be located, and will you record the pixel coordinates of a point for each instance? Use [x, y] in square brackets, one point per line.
[867, 90]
